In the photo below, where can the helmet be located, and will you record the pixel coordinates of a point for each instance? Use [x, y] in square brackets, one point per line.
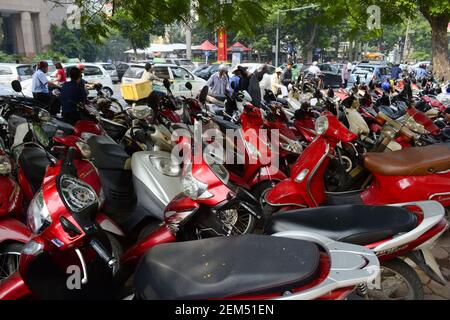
[386, 86]
[223, 67]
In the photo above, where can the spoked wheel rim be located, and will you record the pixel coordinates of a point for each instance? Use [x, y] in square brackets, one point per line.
[238, 221]
[394, 286]
[9, 264]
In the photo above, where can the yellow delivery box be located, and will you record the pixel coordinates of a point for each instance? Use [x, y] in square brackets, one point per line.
[136, 90]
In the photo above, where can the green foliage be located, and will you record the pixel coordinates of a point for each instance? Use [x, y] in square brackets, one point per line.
[9, 58]
[51, 55]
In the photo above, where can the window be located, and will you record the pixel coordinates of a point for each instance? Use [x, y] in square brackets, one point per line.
[109, 67]
[181, 74]
[92, 71]
[134, 72]
[325, 67]
[122, 67]
[5, 71]
[28, 70]
[162, 72]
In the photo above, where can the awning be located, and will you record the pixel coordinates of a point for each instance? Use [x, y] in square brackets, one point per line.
[238, 47]
[205, 46]
[160, 48]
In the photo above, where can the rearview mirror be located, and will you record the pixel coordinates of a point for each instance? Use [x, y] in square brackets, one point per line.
[16, 86]
[188, 85]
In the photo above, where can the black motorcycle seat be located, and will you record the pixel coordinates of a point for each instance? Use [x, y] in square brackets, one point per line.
[356, 224]
[63, 126]
[107, 154]
[226, 267]
[218, 97]
[224, 125]
[34, 162]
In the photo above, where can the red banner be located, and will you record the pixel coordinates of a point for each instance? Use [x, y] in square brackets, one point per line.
[222, 45]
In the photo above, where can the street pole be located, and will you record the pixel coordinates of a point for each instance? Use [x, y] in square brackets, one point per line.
[277, 45]
[277, 48]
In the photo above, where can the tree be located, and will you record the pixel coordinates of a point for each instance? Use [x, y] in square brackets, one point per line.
[138, 32]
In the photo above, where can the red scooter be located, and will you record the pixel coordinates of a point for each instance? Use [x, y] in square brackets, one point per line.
[413, 174]
[68, 234]
[13, 234]
[402, 230]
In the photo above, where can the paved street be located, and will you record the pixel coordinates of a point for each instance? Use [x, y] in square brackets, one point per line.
[433, 290]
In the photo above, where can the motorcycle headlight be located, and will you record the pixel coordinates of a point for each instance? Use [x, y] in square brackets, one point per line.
[5, 166]
[321, 125]
[38, 217]
[84, 148]
[193, 188]
[166, 166]
[140, 112]
[77, 195]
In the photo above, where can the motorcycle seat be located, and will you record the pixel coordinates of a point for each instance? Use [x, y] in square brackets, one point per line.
[65, 127]
[410, 161]
[107, 154]
[218, 97]
[226, 267]
[356, 224]
[224, 125]
[34, 162]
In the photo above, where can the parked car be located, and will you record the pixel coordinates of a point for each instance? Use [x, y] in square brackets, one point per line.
[252, 67]
[367, 72]
[112, 71]
[12, 71]
[7, 90]
[121, 68]
[207, 71]
[185, 63]
[94, 73]
[176, 74]
[332, 74]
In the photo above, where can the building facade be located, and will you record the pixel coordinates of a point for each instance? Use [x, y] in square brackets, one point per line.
[25, 25]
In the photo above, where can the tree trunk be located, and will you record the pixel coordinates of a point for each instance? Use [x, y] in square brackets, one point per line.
[310, 44]
[439, 44]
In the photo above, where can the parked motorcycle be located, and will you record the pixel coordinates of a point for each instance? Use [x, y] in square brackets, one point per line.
[392, 232]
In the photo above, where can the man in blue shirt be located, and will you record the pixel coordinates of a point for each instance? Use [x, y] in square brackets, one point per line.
[72, 93]
[395, 72]
[421, 72]
[39, 88]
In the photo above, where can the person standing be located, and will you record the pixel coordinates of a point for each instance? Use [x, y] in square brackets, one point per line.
[276, 80]
[395, 72]
[72, 93]
[149, 74]
[39, 88]
[218, 83]
[60, 75]
[286, 77]
[346, 70]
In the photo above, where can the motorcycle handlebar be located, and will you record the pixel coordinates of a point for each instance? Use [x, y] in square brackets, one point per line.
[102, 252]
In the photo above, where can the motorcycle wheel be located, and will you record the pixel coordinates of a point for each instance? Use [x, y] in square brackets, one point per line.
[9, 259]
[239, 221]
[399, 281]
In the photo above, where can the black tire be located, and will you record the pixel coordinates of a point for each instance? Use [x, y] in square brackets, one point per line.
[109, 90]
[9, 254]
[409, 277]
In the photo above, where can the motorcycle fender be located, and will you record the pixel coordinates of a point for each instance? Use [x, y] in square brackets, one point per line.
[286, 193]
[13, 230]
[108, 225]
[182, 203]
[426, 261]
[14, 288]
[267, 174]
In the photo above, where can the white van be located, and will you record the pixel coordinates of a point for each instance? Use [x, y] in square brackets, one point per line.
[12, 71]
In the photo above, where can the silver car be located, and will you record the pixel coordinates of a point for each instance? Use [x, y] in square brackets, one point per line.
[112, 71]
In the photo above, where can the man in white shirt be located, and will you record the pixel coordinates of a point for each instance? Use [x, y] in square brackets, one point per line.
[276, 80]
[314, 69]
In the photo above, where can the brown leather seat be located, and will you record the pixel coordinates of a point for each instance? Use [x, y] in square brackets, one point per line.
[410, 161]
